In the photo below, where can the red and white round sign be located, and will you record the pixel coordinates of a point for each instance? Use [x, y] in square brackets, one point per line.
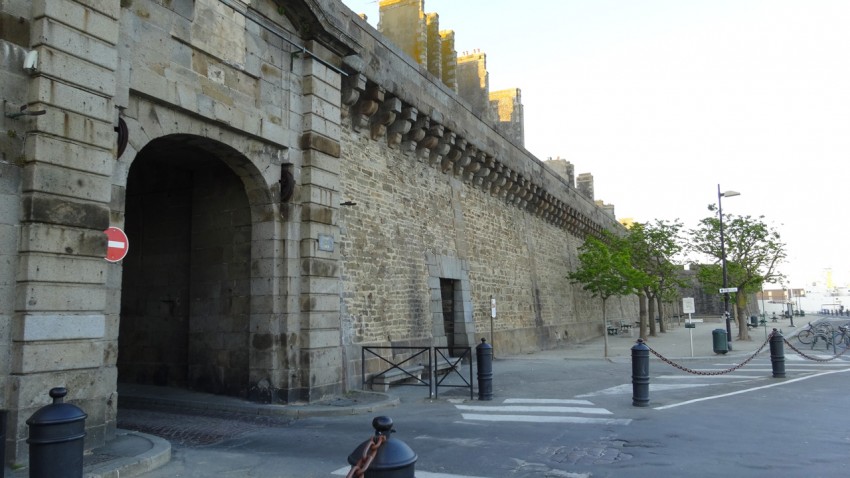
[118, 245]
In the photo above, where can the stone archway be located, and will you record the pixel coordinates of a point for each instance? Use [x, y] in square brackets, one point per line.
[186, 298]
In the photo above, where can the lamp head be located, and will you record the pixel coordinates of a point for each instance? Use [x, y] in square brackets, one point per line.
[730, 194]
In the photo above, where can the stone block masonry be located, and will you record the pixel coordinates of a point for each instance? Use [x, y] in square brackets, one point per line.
[294, 187]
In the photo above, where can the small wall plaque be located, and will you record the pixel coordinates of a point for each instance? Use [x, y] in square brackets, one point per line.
[326, 243]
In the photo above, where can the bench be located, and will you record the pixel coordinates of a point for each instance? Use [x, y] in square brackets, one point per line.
[443, 366]
[411, 373]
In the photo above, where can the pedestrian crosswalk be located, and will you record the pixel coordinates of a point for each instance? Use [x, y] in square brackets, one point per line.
[664, 378]
[541, 410]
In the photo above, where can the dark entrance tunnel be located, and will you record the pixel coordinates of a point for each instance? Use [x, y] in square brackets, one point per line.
[185, 300]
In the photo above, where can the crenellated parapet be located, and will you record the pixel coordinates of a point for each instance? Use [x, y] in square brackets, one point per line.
[393, 98]
[382, 115]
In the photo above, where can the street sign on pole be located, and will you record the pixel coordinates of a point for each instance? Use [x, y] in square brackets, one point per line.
[728, 290]
[117, 245]
[688, 305]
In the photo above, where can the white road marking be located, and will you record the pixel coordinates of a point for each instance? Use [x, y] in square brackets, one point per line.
[548, 401]
[545, 419]
[785, 382]
[419, 474]
[521, 409]
[699, 377]
[627, 388]
[538, 410]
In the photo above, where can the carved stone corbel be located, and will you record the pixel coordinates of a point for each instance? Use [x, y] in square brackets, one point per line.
[453, 156]
[465, 159]
[401, 126]
[477, 162]
[385, 117]
[513, 193]
[416, 133]
[368, 104]
[495, 174]
[503, 186]
[524, 194]
[430, 141]
[352, 86]
[487, 164]
[442, 148]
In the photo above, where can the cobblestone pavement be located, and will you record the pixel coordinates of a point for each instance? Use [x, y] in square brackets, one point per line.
[196, 428]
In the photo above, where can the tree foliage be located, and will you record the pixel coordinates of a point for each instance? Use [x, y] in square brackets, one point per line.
[654, 248]
[605, 270]
[753, 250]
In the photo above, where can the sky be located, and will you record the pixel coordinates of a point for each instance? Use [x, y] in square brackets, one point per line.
[664, 100]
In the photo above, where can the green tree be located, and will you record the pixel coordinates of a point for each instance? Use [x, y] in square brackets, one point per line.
[654, 248]
[754, 251]
[605, 270]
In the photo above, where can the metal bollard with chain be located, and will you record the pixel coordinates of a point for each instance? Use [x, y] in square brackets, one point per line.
[382, 456]
[359, 469]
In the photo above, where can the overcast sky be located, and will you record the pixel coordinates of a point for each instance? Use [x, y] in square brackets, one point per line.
[662, 100]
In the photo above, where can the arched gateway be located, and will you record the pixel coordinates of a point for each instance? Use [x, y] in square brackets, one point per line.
[294, 188]
[186, 288]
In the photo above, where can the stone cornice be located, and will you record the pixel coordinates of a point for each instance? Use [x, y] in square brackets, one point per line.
[385, 117]
[391, 98]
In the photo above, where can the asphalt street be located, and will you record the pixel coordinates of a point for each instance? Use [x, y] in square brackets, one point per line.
[560, 413]
[565, 413]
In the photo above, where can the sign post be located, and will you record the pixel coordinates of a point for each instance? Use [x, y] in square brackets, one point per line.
[118, 244]
[492, 318]
[688, 308]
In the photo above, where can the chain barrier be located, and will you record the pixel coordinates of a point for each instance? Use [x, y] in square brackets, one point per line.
[359, 469]
[714, 372]
[745, 362]
[816, 359]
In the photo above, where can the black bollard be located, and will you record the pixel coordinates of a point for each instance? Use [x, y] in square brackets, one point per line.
[393, 459]
[56, 438]
[640, 374]
[3, 419]
[777, 354]
[484, 355]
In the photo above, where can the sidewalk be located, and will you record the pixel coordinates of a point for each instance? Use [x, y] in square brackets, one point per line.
[676, 342]
[133, 454]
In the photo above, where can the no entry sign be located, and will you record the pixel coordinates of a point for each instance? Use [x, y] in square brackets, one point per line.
[118, 245]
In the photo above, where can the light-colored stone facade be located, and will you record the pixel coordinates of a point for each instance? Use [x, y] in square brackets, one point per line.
[510, 118]
[294, 187]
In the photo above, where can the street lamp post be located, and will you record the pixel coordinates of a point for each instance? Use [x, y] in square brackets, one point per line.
[723, 262]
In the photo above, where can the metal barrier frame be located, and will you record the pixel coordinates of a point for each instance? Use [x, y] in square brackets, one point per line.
[454, 365]
[396, 366]
[431, 382]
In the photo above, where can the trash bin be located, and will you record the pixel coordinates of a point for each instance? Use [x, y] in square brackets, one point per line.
[754, 321]
[720, 341]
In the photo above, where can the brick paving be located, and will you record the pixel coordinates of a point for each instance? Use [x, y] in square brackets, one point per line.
[195, 428]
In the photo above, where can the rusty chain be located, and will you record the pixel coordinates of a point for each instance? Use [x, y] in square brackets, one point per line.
[791, 346]
[745, 362]
[716, 372]
[359, 469]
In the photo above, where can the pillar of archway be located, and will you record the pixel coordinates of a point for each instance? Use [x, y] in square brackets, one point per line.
[259, 168]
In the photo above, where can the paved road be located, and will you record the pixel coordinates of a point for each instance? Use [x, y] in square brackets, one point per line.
[555, 416]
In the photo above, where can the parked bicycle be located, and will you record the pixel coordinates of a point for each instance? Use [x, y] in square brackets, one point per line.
[814, 333]
[841, 339]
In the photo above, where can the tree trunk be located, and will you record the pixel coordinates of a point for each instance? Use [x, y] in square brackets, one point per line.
[651, 313]
[662, 327]
[741, 312]
[604, 328]
[642, 318]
